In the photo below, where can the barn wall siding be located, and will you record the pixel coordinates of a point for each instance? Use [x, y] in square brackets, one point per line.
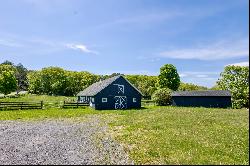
[202, 101]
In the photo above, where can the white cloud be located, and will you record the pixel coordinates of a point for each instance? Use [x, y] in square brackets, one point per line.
[148, 18]
[80, 47]
[142, 19]
[202, 76]
[62, 45]
[219, 50]
[207, 79]
[191, 74]
[36, 45]
[239, 64]
[183, 75]
[9, 43]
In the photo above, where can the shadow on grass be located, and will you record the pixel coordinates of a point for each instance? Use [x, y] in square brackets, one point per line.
[142, 108]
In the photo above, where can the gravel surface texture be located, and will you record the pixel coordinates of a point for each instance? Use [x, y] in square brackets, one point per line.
[66, 141]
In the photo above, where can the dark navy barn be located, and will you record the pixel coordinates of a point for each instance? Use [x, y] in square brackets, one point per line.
[210, 98]
[113, 93]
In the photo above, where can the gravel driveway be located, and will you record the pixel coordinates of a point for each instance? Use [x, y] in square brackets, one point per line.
[65, 141]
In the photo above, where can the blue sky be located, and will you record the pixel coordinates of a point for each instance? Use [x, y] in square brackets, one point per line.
[199, 37]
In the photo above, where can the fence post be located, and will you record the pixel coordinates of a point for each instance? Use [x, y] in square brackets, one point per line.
[77, 104]
[41, 104]
[21, 105]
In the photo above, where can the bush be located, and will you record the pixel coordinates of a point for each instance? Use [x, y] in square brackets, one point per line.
[239, 103]
[162, 97]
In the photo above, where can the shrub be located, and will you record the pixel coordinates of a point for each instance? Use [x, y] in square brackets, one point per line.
[162, 97]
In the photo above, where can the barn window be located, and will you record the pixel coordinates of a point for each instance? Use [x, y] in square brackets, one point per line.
[104, 100]
[134, 100]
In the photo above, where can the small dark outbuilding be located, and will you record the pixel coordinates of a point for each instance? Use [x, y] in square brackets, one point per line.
[209, 98]
[113, 93]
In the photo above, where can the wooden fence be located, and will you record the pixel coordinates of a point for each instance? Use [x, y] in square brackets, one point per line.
[20, 105]
[74, 105]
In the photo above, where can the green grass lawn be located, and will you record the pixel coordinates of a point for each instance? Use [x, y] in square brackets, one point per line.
[175, 135]
[166, 135]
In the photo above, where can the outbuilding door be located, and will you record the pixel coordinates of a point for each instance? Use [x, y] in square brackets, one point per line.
[120, 102]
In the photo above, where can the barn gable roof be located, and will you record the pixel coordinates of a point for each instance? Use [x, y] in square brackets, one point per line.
[97, 87]
[202, 93]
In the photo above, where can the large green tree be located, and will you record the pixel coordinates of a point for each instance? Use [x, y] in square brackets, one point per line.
[8, 82]
[146, 84]
[35, 82]
[57, 81]
[236, 80]
[169, 77]
[8, 63]
[21, 76]
[50, 80]
[53, 80]
[78, 81]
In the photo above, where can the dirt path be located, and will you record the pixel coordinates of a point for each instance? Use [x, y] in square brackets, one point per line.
[58, 142]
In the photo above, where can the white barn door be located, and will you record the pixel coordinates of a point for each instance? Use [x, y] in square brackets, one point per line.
[120, 102]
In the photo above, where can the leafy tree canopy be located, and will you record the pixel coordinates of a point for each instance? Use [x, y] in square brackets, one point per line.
[169, 77]
[8, 82]
[190, 87]
[7, 63]
[236, 80]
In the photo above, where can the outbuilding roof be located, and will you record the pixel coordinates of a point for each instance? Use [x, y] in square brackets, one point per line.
[202, 93]
[95, 88]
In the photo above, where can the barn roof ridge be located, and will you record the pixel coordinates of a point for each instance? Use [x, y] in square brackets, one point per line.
[202, 93]
[97, 87]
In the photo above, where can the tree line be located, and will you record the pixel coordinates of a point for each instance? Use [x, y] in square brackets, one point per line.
[57, 81]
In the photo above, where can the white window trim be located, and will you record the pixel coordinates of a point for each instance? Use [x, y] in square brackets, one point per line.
[134, 100]
[92, 99]
[104, 100]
